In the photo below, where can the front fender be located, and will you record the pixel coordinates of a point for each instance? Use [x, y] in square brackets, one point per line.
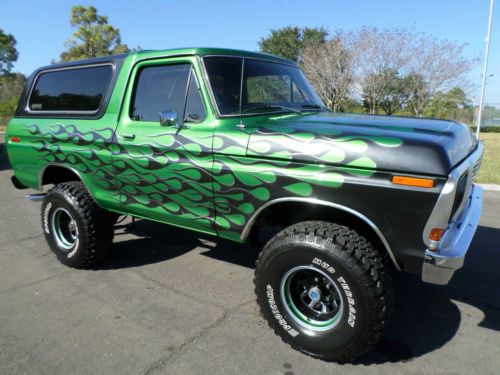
[398, 214]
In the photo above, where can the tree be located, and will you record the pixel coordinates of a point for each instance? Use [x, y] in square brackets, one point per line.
[383, 55]
[390, 70]
[11, 85]
[395, 96]
[330, 69]
[426, 65]
[8, 52]
[94, 37]
[453, 104]
[7, 109]
[384, 91]
[352, 105]
[288, 42]
[435, 66]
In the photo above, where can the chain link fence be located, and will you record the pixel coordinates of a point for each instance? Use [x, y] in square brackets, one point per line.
[490, 121]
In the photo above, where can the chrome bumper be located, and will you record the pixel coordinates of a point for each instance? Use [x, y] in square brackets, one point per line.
[440, 265]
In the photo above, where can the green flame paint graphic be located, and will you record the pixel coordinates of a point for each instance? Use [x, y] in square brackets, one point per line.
[215, 181]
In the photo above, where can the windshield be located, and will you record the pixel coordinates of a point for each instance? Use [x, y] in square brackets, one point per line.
[267, 86]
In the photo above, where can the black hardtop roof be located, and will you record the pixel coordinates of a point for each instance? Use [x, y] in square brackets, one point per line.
[145, 54]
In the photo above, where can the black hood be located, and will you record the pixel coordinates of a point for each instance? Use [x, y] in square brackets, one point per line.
[389, 143]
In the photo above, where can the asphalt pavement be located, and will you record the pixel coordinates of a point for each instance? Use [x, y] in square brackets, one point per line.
[169, 301]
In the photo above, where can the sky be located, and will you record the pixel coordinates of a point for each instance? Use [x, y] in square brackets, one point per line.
[42, 27]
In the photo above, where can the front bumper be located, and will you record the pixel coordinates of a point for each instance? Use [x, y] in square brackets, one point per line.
[440, 265]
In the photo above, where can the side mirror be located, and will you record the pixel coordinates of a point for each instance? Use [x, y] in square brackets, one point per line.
[168, 118]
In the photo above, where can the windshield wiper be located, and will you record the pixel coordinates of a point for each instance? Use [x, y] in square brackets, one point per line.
[270, 106]
[314, 106]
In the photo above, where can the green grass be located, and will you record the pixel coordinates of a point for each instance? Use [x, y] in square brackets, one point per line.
[490, 168]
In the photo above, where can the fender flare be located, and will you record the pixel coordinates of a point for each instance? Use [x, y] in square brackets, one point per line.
[371, 224]
[73, 170]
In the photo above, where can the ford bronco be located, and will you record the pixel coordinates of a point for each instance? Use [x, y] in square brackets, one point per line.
[238, 145]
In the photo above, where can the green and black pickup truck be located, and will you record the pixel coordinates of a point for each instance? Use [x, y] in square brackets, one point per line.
[238, 145]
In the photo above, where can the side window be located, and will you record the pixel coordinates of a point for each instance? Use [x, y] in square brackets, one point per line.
[160, 88]
[71, 90]
[195, 111]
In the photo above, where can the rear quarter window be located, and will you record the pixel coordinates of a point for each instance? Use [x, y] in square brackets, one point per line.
[79, 89]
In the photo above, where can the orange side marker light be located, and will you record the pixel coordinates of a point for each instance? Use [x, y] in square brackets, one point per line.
[436, 234]
[413, 181]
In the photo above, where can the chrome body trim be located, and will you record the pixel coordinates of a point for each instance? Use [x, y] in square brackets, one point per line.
[253, 218]
[440, 265]
[440, 215]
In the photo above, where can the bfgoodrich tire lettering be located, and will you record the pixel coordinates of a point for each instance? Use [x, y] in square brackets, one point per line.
[77, 230]
[338, 304]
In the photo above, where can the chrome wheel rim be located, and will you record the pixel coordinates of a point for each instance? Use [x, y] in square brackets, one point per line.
[64, 228]
[312, 298]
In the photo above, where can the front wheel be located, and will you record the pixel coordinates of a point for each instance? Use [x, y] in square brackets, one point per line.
[77, 230]
[324, 290]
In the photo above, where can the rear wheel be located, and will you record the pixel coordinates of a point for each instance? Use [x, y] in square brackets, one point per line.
[324, 290]
[77, 230]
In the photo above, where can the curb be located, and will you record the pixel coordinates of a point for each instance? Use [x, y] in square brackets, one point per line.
[490, 187]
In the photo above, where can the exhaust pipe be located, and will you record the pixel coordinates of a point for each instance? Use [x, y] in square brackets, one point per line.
[35, 197]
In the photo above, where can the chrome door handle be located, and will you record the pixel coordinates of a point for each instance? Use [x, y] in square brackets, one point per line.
[127, 136]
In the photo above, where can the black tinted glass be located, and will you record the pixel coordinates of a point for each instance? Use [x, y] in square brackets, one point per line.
[195, 111]
[158, 89]
[276, 84]
[71, 90]
[268, 89]
[267, 86]
[225, 78]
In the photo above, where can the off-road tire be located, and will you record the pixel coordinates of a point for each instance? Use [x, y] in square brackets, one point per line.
[93, 227]
[362, 282]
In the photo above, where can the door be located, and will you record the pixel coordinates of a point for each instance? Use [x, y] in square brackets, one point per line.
[164, 171]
